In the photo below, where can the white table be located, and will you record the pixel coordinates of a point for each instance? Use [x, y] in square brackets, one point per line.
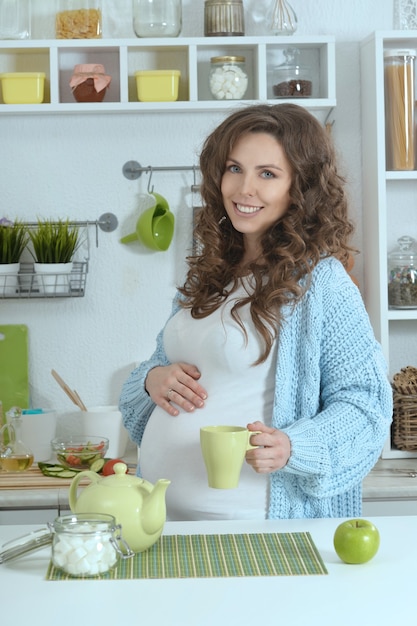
[378, 593]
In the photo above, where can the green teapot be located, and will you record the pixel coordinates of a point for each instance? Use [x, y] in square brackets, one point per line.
[136, 504]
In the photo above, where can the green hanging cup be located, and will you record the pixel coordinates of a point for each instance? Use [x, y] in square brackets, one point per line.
[155, 227]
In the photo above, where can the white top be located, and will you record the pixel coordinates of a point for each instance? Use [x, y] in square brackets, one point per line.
[170, 446]
[378, 593]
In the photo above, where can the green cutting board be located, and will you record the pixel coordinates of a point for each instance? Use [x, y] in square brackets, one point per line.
[14, 366]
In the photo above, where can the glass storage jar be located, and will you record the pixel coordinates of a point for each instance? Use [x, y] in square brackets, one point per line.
[228, 78]
[15, 19]
[402, 275]
[399, 109]
[83, 545]
[78, 19]
[292, 80]
[157, 18]
[87, 544]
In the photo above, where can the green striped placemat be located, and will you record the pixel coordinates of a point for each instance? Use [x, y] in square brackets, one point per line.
[210, 556]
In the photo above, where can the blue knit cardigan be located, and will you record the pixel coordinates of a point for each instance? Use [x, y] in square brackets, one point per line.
[332, 398]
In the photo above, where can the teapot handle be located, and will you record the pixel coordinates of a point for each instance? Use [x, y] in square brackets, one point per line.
[93, 476]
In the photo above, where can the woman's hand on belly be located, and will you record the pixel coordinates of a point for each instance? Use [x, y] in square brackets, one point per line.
[274, 450]
[176, 384]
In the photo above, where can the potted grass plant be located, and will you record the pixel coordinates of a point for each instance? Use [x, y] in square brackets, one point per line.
[13, 240]
[54, 244]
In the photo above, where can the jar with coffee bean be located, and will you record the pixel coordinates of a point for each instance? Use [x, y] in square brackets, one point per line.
[292, 80]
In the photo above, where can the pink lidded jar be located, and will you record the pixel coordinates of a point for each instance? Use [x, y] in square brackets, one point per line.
[89, 82]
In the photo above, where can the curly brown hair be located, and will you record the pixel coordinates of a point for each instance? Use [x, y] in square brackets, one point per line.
[315, 225]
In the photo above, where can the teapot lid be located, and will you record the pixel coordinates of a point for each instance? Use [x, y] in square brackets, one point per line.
[121, 479]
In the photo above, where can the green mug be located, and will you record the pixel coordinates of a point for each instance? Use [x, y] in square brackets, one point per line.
[224, 449]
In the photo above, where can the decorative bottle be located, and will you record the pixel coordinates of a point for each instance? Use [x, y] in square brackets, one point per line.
[15, 456]
[284, 19]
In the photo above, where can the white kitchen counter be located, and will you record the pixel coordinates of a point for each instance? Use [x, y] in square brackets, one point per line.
[390, 480]
[378, 592]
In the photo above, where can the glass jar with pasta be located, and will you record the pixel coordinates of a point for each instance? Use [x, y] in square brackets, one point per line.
[399, 109]
[78, 19]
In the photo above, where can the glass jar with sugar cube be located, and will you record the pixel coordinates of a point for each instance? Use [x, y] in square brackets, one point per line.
[87, 544]
[228, 77]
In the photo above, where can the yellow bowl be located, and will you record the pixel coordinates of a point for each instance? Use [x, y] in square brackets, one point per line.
[157, 85]
[22, 87]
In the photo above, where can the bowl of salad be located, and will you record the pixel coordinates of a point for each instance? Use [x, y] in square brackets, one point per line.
[82, 452]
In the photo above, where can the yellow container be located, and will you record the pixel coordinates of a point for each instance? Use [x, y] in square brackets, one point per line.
[157, 85]
[22, 87]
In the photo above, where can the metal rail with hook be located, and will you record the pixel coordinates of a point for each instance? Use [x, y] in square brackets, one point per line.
[133, 170]
[107, 222]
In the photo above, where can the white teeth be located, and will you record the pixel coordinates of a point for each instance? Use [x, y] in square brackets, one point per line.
[247, 209]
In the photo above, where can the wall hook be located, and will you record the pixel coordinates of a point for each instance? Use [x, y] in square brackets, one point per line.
[195, 188]
[150, 171]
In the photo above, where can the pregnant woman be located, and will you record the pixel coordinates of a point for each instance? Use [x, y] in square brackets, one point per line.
[268, 331]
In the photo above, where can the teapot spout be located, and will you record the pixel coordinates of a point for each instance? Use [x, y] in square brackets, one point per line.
[154, 508]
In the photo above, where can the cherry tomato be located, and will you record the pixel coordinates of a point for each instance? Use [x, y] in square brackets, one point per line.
[108, 467]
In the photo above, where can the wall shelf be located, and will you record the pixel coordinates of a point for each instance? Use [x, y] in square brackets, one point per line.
[122, 57]
[28, 284]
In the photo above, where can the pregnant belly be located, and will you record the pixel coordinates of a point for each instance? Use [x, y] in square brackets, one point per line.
[171, 449]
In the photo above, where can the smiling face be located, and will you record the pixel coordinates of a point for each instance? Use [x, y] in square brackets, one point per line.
[255, 187]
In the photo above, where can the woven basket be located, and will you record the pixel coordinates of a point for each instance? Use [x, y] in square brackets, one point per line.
[404, 425]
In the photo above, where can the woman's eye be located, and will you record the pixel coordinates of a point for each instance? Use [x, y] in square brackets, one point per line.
[268, 174]
[234, 168]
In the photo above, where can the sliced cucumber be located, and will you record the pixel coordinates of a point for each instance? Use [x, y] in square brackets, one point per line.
[89, 456]
[52, 469]
[96, 457]
[67, 473]
[57, 471]
[97, 465]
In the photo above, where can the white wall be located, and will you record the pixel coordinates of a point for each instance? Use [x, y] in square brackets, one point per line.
[71, 166]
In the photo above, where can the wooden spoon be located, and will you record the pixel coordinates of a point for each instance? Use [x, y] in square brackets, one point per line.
[73, 395]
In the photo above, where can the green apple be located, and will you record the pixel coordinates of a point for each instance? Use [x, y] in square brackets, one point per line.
[356, 541]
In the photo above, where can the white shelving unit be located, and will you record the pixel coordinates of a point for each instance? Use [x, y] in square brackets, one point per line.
[389, 211]
[122, 57]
